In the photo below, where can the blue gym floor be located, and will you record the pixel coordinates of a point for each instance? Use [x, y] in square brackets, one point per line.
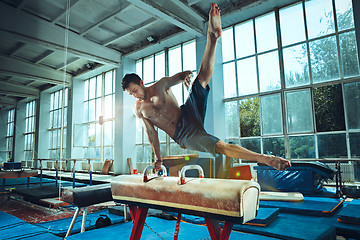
[316, 218]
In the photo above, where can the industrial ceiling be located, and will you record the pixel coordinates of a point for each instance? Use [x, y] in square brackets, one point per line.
[44, 43]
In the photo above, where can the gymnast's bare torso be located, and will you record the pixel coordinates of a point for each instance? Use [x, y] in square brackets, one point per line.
[160, 108]
[156, 105]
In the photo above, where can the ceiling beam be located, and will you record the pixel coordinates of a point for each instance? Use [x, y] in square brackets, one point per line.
[5, 105]
[106, 18]
[102, 28]
[17, 68]
[29, 29]
[171, 13]
[18, 94]
[189, 9]
[72, 4]
[17, 48]
[137, 28]
[246, 7]
[68, 62]
[8, 101]
[21, 5]
[192, 2]
[16, 87]
[43, 56]
[165, 41]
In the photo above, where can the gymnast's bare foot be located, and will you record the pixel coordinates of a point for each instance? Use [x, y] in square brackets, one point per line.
[214, 28]
[277, 162]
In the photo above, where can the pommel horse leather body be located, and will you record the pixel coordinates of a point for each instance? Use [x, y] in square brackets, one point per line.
[235, 201]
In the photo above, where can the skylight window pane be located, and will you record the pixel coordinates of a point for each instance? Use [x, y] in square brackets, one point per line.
[319, 18]
[189, 56]
[265, 27]
[271, 114]
[324, 60]
[229, 80]
[148, 70]
[344, 14]
[296, 66]
[299, 119]
[227, 44]
[292, 24]
[244, 39]
[159, 66]
[247, 77]
[269, 71]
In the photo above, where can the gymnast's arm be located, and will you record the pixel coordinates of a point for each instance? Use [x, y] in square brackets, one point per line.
[152, 134]
[168, 82]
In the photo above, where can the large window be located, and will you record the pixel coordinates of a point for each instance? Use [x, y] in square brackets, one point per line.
[99, 114]
[152, 68]
[291, 81]
[58, 120]
[29, 131]
[10, 135]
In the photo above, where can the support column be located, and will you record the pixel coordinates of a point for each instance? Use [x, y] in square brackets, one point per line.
[44, 119]
[69, 127]
[125, 121]
[356, 12]
[36, 137]
[3, 131]
[19, 132]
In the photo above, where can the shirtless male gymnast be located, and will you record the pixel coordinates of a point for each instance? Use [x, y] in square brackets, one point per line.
[157, 106]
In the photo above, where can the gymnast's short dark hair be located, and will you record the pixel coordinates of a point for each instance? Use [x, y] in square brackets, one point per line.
[128, 78]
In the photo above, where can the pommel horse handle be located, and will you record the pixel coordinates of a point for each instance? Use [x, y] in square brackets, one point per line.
[151, 167]
[189, 167]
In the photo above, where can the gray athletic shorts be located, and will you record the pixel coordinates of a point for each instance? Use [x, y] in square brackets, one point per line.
[190, 132]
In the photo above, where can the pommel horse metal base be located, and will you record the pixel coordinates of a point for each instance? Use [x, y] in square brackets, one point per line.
[232, 201]
[84, 197]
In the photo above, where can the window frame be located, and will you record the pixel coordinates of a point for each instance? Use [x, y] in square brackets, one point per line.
[283, 89]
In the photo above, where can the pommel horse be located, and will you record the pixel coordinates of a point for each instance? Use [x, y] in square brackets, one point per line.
[232, 201]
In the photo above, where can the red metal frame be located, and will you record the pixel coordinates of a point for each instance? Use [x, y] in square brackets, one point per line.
[176, 234]
[138, 215]
[216, 233]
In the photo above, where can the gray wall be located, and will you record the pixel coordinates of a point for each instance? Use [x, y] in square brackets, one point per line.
[125, 121]
[44, 121]
[19, 131]
[3, 129]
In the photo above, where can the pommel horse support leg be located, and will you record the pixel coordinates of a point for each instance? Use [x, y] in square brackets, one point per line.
[84, 197]
[232, 201]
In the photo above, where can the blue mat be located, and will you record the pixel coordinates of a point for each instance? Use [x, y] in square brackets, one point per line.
[314, 206]
[294, 225]
[304, 177]
[264, 217]
[189, 218]
[342, 229]
[23, 181]
[60, 227]
[14, 228]
[164, 228]
[350, 213]
[291, 226]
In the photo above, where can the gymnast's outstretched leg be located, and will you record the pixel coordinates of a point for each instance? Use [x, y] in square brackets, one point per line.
[213, 34]
[236, 151]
